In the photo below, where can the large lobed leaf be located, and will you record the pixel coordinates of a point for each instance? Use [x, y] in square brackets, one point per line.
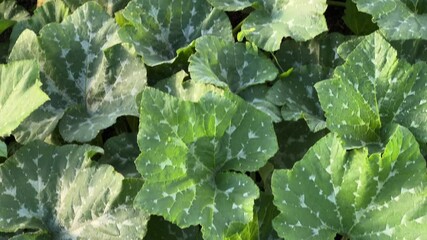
[227, 64]
[331, 190]
[398, 19]
[372, 89]
[160, 29]
[59, 191]
[192, 156]
[89, 76]
[20, 93]
[272, 20]
[10, 13]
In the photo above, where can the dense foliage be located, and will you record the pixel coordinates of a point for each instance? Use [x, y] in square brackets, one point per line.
[213, 119]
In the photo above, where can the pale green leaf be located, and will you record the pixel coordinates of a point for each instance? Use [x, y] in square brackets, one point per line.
[20, 93]
[333, 191]
[121, 152]
[59, 190]
[193, 155]
[371, 89]
[228, 64]
[273, 20]
[160, 29]
[398, 19]
[49, 12]
[90, 78]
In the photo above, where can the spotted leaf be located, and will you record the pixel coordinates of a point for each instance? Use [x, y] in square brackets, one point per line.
[90, 77]
[372, 89]
[228, 64]
[193, 156]
[398, 19]
[160, 29]
[333, 191]
[60, 191]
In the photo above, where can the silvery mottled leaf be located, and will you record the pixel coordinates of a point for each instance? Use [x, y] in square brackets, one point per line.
[193, 155]
[49, 12]
[228, 64]
[160, 29]
[231, 5]
[360, 196]
[20, 93]
[257, 96]
[111, 6]
[371, 89]
[90, 78]
[398, 19]
[273, 20]
[59, 190]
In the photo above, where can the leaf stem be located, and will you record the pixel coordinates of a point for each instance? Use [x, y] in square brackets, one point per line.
[277, 62]
[335, 3]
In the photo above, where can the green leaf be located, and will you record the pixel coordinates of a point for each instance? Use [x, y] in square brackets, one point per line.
[20, 93]
[257, 96]
[121, 152]
[193, 155]
[90, 78]
[49, 12]
[3, 149]
[160, 29]
[59, 190]
[159, 229]
[231, 5]
[398, 19]
[110, 6]
[273, 20]
[10, 13]
[297, 96]
[331, 190]
[228, 64]
[374, 88]
[359, 23]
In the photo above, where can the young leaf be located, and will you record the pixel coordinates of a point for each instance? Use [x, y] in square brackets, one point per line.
[193, 155]
[330, 191]
[49, 12]
[398, 19]
[20, 93]
[273, 20]
[59, 190]
[228, 64]
[374, 88]
[160, 29]
[90, 78]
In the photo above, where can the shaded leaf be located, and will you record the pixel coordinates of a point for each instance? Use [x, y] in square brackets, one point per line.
[192, 156]
[3, 149]
[398, 19]
[372, 89]
[59, 190]
[10, 13]
[121, 152]
[109, 5]
[160, 29]
[160, 229]
[332, 191]
[20, 93]
[90, 78]
[273, 20]
[359, 23]
[49, 12]
[257, 96]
